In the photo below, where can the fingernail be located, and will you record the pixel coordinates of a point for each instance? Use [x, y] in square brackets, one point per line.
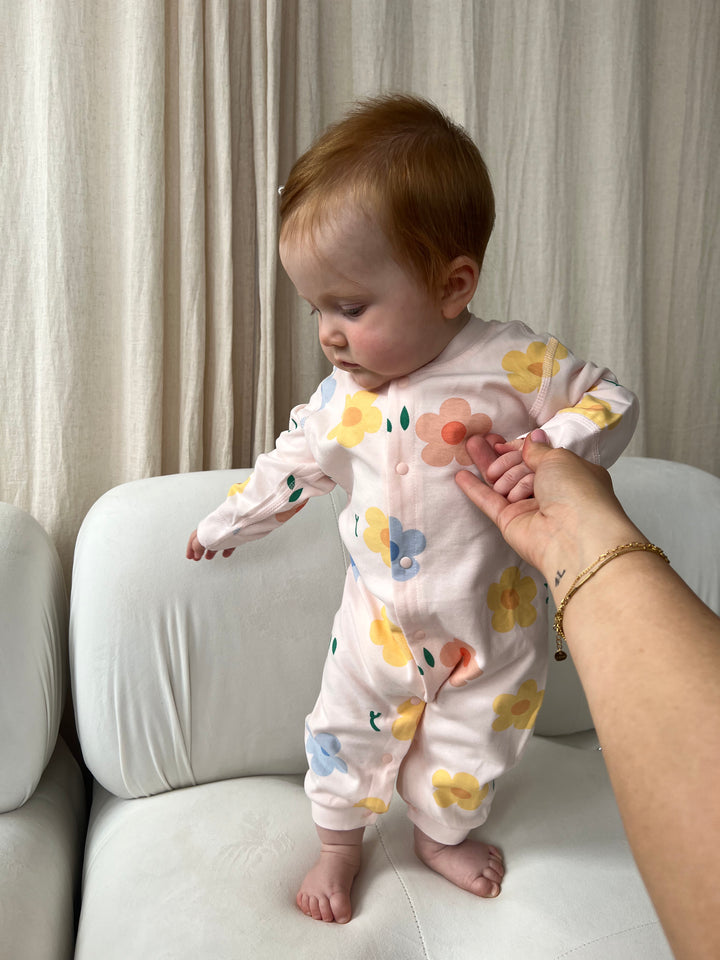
[539, 436]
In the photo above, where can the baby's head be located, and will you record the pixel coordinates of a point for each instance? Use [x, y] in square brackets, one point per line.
[406, 166]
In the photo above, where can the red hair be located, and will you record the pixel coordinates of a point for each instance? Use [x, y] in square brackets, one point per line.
[412, 169]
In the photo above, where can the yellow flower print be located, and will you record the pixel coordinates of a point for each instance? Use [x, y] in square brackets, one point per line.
[525, 370]
[596, 410]
[239, 487]
[462, 789]
[377, 535]
[390, 637]
[518, 710]
[511, 601]
[373, 804]
[359, 417]
[410, 712]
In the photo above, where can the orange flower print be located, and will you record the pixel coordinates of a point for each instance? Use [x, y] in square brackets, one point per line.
[285, 515]
[461, 656]
[526, 370]
[511, 601]
[445, 432]
[596, 410]
[518, 710]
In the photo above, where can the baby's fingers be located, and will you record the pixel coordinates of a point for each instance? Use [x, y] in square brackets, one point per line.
[508, 461]
[516, 483]
[524, 489]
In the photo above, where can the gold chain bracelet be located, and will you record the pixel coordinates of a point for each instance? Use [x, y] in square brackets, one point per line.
[590, 572]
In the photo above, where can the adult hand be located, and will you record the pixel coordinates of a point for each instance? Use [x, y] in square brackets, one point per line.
[573, 517]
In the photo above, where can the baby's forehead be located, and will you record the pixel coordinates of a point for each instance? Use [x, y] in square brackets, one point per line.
[337, 222]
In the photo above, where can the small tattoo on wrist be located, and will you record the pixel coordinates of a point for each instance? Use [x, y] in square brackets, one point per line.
[558, 577]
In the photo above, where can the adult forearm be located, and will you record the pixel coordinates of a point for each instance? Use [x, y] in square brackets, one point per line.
[648, 654]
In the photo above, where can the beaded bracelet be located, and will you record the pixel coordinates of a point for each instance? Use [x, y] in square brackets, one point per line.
[587, 574]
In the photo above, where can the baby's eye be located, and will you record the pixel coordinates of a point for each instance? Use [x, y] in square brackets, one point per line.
[353, 312]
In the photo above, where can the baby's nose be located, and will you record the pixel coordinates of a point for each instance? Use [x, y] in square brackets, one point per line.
[330, 334]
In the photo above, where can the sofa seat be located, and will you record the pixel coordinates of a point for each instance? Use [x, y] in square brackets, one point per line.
[211, 871]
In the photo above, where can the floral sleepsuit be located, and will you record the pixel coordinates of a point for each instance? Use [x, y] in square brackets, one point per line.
[437, 659]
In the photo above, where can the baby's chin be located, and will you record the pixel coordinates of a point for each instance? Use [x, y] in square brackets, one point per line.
[365, 378]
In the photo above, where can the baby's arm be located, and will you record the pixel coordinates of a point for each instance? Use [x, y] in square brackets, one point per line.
[279, 486]
[579, 406]
[196, 551]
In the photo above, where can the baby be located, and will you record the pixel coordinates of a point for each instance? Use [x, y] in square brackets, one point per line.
[437, 661]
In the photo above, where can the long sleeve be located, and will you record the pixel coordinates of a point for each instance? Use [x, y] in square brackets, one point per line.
[582, 406]
[281, 483]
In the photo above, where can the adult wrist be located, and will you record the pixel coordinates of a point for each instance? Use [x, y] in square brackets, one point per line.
[642, 546]
[577, 553]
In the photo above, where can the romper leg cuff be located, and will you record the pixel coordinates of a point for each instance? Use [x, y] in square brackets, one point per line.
[439, 831]
[349, 818]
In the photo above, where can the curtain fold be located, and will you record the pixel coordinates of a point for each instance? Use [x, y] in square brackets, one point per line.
[146, 325]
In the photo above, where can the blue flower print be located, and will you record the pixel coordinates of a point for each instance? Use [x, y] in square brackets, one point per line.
[404, 545]
[323, 750]
[327, 389]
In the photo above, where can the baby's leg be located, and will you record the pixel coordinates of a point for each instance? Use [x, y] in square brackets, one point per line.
[324, 894]
[472, 865]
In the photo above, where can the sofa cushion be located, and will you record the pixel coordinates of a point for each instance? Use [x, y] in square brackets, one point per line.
[677, 507]
[33, 654]
[212, 871]
[41, 847]
[186, 672]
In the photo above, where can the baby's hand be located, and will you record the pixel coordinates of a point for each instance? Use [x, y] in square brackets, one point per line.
[196, 551]
[509, 475]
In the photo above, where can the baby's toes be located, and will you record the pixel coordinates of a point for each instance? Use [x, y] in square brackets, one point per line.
[340, 908]
[309, 905]
[487, 885]
[495, 861]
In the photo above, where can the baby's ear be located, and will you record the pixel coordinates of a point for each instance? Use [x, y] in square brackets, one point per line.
[460, 286]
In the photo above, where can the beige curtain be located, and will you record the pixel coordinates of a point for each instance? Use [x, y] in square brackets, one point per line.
[145, 324]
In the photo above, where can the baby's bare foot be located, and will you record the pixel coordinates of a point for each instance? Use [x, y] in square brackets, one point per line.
[472, 865]
[325, 892]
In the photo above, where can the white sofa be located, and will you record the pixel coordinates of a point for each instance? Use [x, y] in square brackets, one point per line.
[42, 797]
[191, 682]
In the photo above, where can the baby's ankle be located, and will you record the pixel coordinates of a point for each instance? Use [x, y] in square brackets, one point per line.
[336, 839]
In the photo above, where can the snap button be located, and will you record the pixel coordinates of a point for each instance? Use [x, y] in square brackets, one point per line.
[406, 563]
[420, 635]
[402, 382]
[402, 469]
